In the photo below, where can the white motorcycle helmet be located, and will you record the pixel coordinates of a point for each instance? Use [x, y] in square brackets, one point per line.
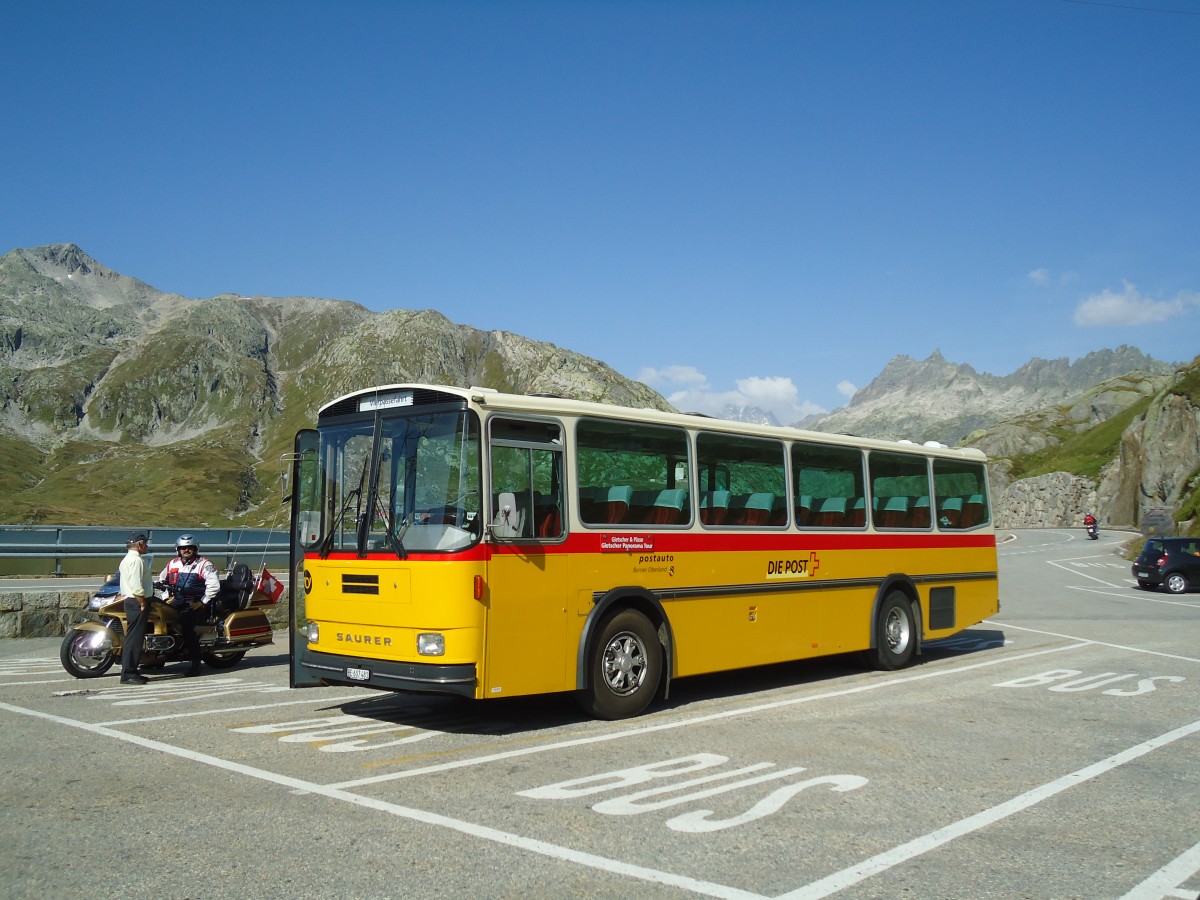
[186, 541]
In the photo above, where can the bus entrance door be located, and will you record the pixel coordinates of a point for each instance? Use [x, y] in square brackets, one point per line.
[527, 610]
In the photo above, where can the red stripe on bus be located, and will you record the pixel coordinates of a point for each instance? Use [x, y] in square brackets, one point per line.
[707, 542]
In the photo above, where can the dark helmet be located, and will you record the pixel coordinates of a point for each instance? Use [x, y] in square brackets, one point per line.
[186, 540]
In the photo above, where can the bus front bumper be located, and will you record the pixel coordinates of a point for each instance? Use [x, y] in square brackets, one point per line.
[419, 678]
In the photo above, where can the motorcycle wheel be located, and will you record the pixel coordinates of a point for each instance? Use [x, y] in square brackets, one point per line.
[226, 659]
[82, 660]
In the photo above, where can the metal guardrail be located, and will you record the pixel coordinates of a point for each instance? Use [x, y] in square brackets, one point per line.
[23, 548]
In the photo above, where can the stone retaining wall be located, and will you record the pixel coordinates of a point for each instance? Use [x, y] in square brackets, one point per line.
[1057, 500]
[51, 613]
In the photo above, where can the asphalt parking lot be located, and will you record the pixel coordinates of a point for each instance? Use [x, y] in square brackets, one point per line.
[1050, 752]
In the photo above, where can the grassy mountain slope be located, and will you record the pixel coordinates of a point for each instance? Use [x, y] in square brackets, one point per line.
[120, 403]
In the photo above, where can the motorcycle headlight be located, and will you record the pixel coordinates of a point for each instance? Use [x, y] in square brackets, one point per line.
[98, 601]
[100, 641]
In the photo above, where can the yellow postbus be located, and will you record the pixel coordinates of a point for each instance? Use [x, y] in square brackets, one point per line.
[485, 544]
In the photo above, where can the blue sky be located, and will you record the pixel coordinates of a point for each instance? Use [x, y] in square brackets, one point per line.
[758, 202]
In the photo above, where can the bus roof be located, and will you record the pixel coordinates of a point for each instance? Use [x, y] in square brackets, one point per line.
[544, 404]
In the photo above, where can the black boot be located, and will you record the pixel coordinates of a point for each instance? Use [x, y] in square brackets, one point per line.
[194, 670]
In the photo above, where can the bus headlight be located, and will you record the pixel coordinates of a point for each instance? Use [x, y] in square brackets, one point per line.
[314, 632]
[431, 644]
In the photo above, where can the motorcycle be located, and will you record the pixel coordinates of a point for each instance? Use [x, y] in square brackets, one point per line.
[235, 624]
[1093, 531]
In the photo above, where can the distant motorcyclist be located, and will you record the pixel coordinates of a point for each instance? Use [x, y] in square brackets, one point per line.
[1091, 526]
[193, 583]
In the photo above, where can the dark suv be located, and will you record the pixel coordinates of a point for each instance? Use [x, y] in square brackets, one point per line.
[1173, 563]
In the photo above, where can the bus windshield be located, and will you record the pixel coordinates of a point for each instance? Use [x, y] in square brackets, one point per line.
[401, 483]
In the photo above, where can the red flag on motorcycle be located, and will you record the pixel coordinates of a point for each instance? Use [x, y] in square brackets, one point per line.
[269, 586]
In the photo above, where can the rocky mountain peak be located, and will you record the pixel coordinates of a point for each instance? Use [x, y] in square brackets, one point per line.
[67, 257]
[37, 271]
[755, 415]
[935, 399]
[905, 376]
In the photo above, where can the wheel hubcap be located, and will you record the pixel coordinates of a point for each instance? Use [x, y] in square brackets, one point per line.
[88, 656]
[896, 632]
[624, 664]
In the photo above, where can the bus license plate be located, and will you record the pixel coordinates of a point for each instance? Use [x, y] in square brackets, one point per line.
[358, 674]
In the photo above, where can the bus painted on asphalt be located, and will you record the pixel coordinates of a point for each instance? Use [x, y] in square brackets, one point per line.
[484, 544]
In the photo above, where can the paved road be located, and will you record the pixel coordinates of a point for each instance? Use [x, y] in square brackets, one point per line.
[20, 585]
[1049, 753]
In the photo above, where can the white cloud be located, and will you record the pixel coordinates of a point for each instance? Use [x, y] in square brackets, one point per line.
[674, 376]
[687, 389]
[1043, 276]
[1130, 308]
[847, 389]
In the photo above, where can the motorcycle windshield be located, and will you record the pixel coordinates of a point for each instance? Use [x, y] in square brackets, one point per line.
[398, 483]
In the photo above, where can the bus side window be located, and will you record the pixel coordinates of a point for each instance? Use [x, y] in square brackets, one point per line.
[827, 486]
[960, 494]
[754, 473]
[899, 481]
[527, 479]
[632, 473]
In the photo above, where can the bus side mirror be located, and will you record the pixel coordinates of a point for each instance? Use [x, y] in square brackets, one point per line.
[287, 461]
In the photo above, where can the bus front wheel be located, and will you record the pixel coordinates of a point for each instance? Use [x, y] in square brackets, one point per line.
[625, 667]
[896, 635]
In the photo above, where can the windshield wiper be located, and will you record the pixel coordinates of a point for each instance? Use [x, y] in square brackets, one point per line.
[327, 542]
[356, 494]
[397, 539]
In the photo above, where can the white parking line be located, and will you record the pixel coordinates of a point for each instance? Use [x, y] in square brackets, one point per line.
[699, 720]
[564, 854]
[232, 709]
[1073, 637]
[1072, 566]
[1165, 882]
[824, 887]
[881, 863]
[1127, 593]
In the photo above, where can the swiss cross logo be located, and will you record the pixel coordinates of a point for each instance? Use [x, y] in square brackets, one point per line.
[269, 586]
[794, 567]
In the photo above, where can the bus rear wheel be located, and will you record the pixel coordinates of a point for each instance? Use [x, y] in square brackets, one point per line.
[896, 635]
[625, 667]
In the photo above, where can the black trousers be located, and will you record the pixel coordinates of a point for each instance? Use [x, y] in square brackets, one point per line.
[135, 635]
[188, 617]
